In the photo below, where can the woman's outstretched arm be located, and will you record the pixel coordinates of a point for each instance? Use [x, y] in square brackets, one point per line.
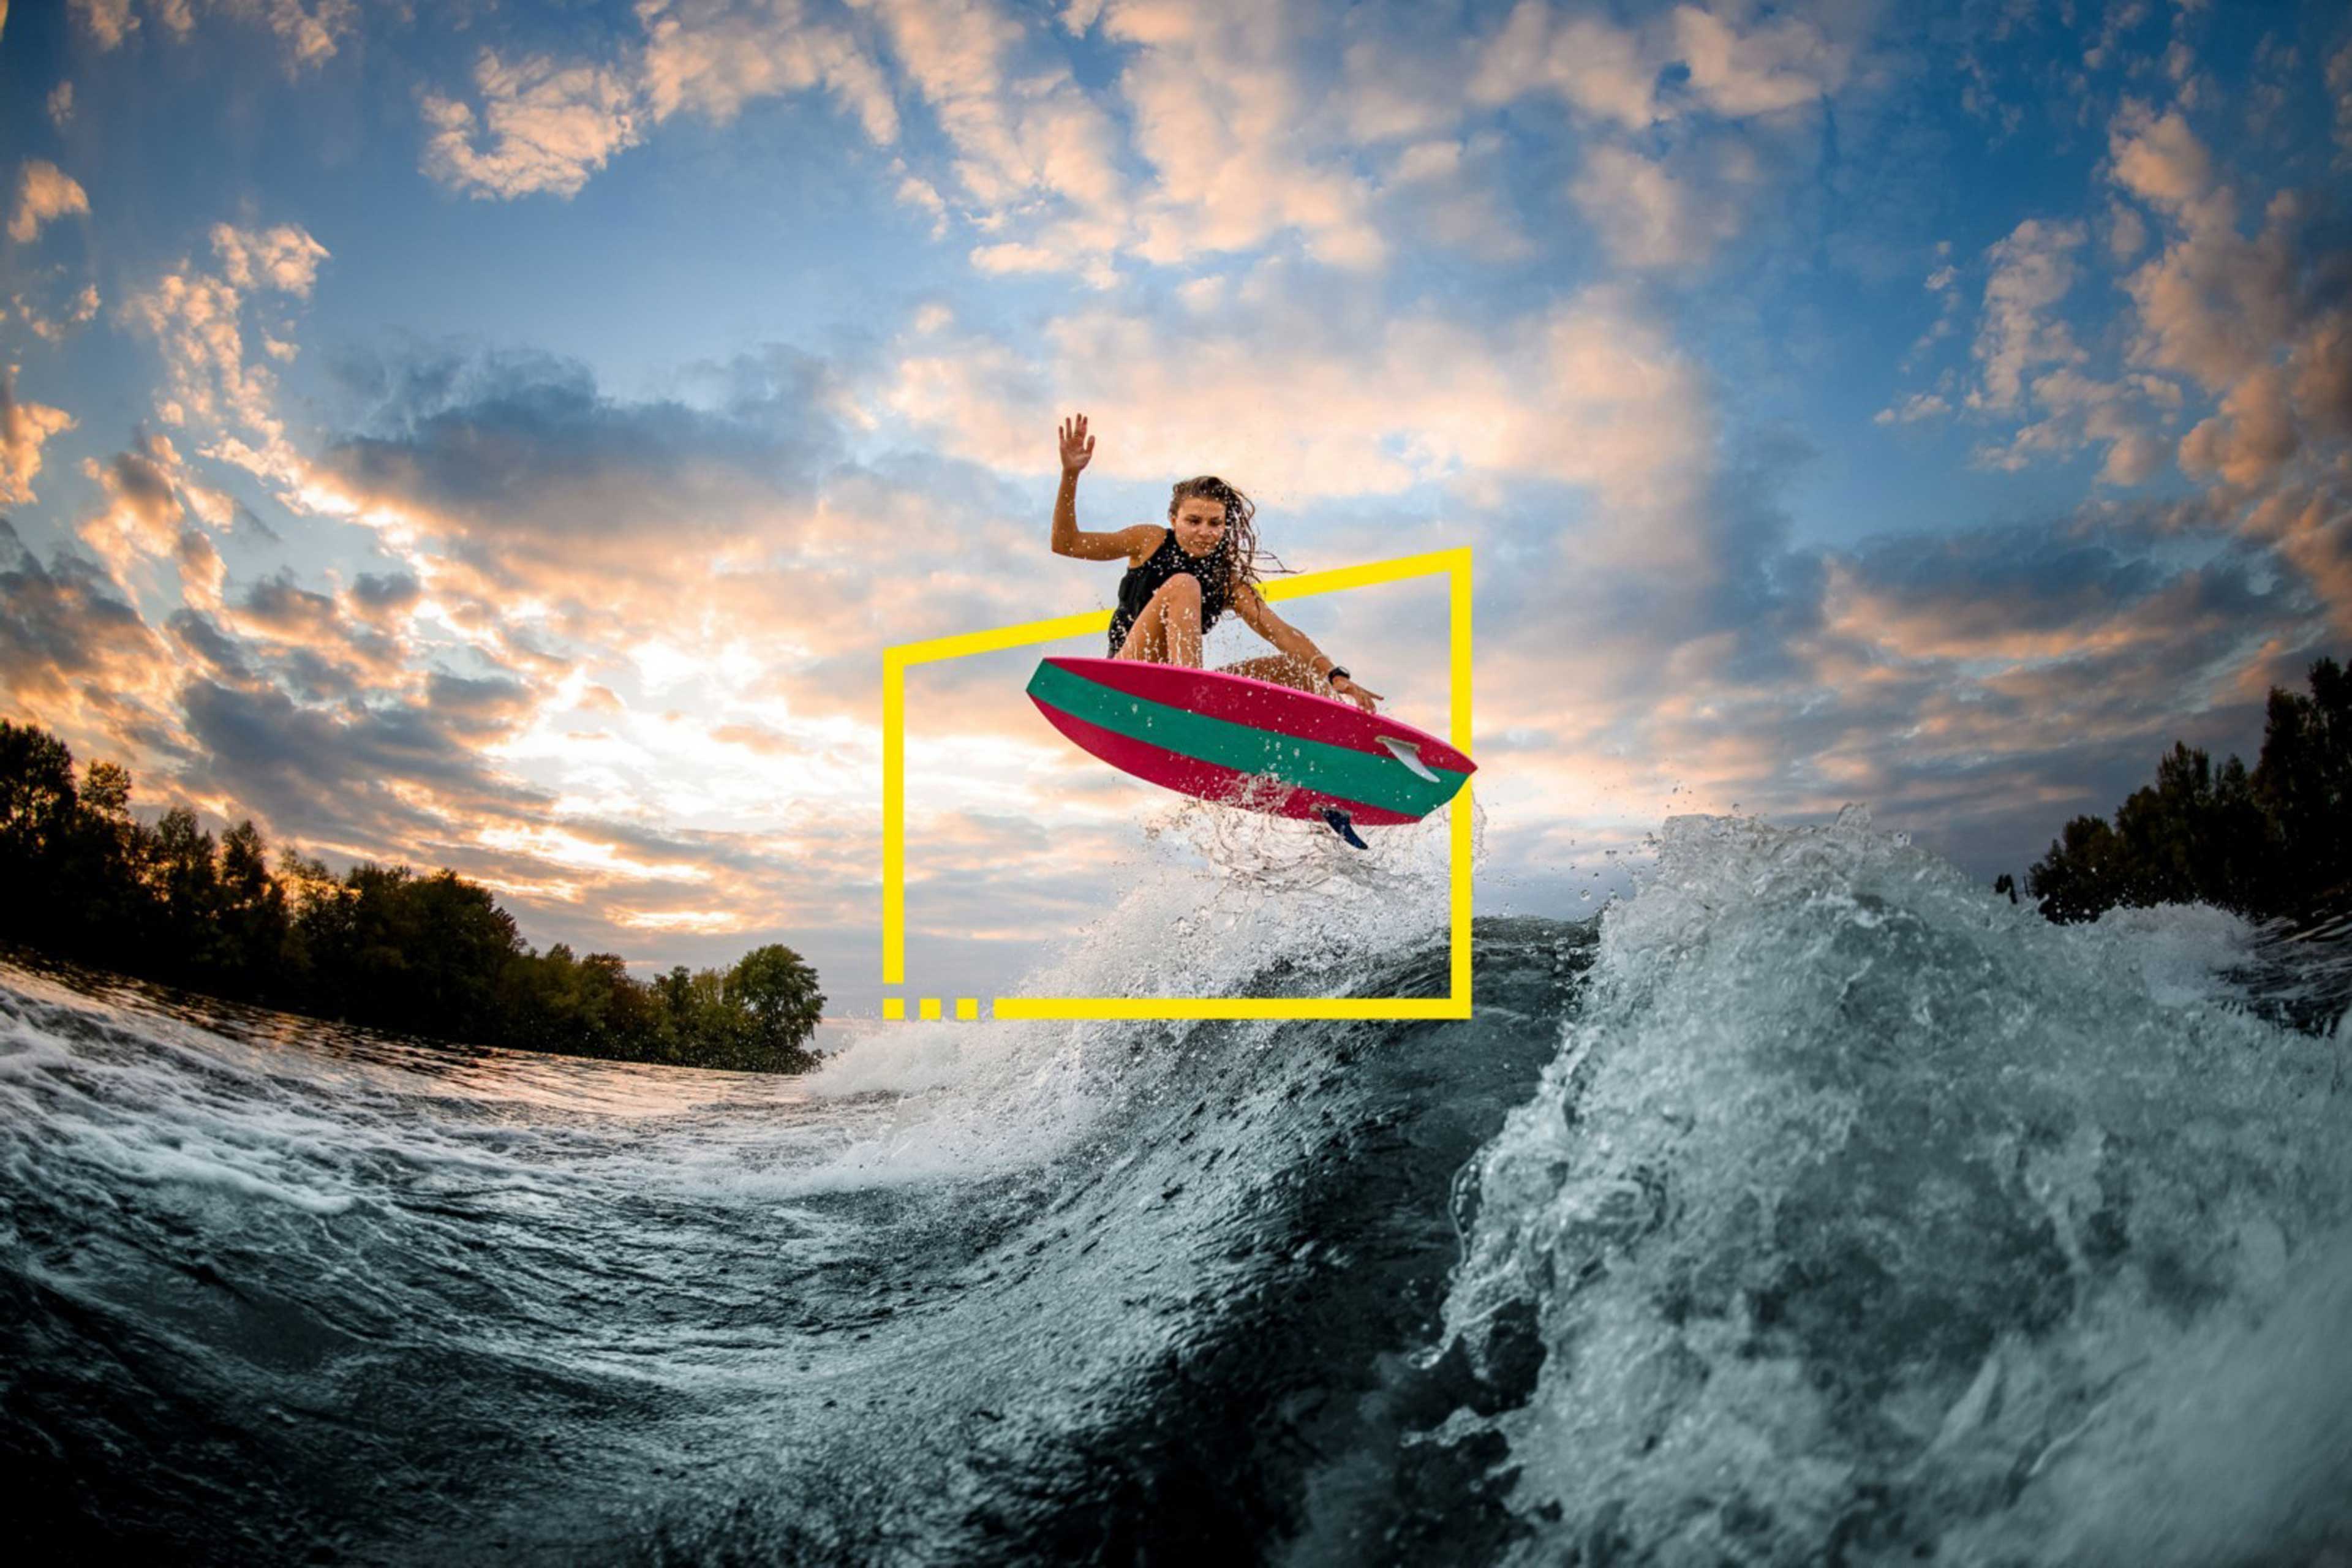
[1077, 451]
[1299, 648]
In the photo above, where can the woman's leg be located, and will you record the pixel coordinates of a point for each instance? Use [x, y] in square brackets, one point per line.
[1282, 669]
[1169, 629]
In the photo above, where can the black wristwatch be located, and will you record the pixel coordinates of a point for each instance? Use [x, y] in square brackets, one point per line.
[1336, 674]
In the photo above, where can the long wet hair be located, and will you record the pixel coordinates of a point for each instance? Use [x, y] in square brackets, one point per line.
[1240, 544]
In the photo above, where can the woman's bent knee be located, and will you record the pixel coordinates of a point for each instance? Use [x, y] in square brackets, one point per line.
[1183, 588]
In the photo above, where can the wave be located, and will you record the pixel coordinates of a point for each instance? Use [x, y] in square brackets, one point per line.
[1864, 1216]
[1811, 1203]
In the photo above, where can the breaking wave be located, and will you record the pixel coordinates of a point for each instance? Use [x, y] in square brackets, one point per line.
[1809, 1205]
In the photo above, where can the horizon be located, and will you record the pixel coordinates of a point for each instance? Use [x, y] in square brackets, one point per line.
[510, 447]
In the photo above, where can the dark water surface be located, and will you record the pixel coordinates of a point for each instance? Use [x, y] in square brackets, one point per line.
[1811, 1205]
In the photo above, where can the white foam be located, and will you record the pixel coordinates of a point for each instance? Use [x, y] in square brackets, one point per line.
[1220, 896]
[2184, 951]
[1831, 1115]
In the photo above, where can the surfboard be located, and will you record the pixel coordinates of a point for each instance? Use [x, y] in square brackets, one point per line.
[1249, 742]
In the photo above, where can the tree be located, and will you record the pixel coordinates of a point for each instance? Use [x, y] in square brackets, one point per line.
[779, 991]
[37, 808]
[2276, 842]
[185, 877]
[106, 905]
[432, 955]
[2085, 873]
[2303, 782]
[253, 911]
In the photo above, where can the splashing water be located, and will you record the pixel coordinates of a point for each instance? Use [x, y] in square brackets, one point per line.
[1866, 1215]
[1810, 1205]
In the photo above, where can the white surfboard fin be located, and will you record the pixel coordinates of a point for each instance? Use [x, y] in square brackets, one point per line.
[1409, 754]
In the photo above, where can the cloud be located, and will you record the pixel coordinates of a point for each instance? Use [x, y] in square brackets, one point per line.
[374, 596]
[2126, 233]
[197, 320]
[2214, 303]
[521, 452]
[2277, 444]
[144, 508]
[1019, 125]
[1599, 68]
[60, 104]
[2159, 159]
[1979, 685]
[1012, 258]
[713, 56]
[108, 22]
[2252, 435]
[548, 125]
[383, 773]
[1918, 405]
[542, 126]
[43, 192]
[2013, 593]
[2258, 321]
[24, 429]
[308, 30]
[1586, 392]
[285, 258]
[1651, 218]
[1220, 113]
[77, 312]
[1224, 131]
[521, 498]
[315, 646]
[278, 701]
[1776, 64]
[1451, 192]
[1731, 65]
[73, 655]
[1944, 284]
[2247, 318]
[2077, 409]
[2032, 270]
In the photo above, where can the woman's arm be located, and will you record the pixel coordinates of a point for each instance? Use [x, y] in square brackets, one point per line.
[1259, 616]
[1077, 451]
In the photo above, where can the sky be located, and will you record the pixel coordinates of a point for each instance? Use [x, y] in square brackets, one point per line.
[506, 437]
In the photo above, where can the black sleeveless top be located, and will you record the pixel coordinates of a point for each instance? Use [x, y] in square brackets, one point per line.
[1135, 590]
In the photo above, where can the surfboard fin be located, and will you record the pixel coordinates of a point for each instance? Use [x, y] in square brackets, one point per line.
[1409, 755]
[1341, 826]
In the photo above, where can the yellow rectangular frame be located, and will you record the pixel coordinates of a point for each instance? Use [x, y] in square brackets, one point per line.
[1456, 1003]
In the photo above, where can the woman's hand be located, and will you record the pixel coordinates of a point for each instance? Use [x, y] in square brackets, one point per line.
[1077, 447]
[1363, 697]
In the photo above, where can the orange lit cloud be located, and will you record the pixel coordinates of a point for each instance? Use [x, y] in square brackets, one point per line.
[44, 192]
[24, 429]
[308, 31]
[1335, 400]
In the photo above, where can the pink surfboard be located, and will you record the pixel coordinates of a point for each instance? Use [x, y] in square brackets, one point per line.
[1249, 742]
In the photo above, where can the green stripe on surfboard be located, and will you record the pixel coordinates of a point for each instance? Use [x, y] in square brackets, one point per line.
[1351, 774]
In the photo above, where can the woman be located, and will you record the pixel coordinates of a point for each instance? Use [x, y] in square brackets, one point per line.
[1181, 578]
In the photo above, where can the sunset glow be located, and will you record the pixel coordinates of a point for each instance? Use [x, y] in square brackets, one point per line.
[511, 446]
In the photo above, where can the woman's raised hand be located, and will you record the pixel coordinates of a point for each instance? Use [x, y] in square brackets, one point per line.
[1077, 447]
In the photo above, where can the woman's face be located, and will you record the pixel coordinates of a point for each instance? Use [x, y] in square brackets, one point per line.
[1200, 525]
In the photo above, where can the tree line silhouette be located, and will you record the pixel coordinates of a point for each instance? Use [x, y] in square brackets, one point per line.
[2272, 843]
[380, 945]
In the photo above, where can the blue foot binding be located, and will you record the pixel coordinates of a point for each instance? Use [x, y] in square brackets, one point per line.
[1342, 827]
